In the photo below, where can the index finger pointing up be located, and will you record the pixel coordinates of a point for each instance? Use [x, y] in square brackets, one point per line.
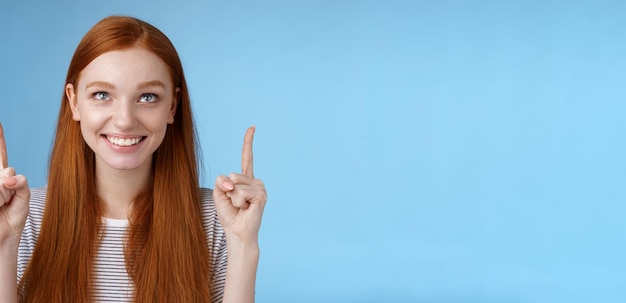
[246, 153]
[4, 162]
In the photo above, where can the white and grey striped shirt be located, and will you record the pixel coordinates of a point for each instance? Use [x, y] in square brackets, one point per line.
[112, 283]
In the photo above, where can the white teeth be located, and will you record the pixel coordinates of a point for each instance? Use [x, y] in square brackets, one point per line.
[123, 142]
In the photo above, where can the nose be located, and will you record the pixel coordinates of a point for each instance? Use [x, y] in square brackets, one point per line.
[124, 114]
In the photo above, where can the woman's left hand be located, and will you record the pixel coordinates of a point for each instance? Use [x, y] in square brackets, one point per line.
[240, 198]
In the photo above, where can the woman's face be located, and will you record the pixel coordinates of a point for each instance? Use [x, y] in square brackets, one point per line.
[124, 100]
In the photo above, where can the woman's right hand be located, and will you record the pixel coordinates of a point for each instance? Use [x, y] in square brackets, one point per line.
[14, 198]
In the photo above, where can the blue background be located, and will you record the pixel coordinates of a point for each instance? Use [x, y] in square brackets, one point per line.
[414, 151]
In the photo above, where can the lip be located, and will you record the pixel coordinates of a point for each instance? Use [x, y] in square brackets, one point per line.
[122, 136]
[123, 149]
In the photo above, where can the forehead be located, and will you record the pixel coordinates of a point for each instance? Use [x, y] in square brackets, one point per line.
[128, 66]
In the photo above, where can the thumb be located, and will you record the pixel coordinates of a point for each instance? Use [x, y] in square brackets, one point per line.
[223, 185]
[223, 204]
[19, 184]
[17, 209]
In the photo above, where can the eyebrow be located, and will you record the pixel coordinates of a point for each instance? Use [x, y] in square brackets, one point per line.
[143, 85]
[101, 84]
[150, 84]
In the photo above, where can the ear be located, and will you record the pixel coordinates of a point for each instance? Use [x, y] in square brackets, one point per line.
[71, 97]
[170, 119]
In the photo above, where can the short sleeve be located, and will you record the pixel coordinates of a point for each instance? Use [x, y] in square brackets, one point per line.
[30, 234]
[216, 240]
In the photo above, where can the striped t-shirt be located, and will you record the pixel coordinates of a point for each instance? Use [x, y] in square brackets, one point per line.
[112, 282]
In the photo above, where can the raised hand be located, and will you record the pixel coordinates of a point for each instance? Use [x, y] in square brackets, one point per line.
[240, 198]
[14, 197]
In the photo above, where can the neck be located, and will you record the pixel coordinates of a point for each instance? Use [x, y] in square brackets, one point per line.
[118, 188]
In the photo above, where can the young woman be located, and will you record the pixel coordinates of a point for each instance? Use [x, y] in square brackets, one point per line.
[123, 218]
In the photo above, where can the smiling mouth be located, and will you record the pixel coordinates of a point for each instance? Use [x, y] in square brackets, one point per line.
[124, 141]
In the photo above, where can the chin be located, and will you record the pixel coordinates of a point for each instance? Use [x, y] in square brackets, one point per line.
[125, 165]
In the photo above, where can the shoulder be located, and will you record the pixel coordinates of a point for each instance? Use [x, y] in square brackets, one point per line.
[37, 201]
[206, 201]
[36, 209]
[30, 234]
[207, 204]
[206, 195]
[38, 193]
[210, 220]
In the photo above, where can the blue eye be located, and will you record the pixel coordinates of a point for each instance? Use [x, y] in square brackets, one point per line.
[148, 98]
[101, 95]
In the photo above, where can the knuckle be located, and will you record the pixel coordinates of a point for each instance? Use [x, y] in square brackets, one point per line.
[241, 191]
[220, 179]
[239, 202]
[7, 172]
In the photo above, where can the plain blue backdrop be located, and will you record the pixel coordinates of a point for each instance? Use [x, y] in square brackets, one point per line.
[414, 151]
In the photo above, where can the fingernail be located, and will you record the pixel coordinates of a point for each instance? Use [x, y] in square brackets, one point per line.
[10, 182]
[228, 185]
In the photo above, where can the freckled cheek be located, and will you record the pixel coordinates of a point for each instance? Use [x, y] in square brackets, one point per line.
[159, 132]
[158, 125]
[89, 128]
[91, 121]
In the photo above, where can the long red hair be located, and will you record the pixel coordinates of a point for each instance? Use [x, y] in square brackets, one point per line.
[167, 254]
